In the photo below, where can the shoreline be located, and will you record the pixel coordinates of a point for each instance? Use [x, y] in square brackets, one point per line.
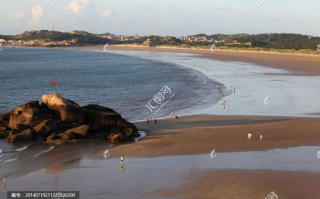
[294, 62]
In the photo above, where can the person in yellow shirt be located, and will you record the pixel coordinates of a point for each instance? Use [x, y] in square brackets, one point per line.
[121, 158]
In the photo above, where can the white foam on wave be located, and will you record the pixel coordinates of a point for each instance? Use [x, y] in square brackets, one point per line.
[44, 151]
[21, 149]
[3, 162]
[142, 134]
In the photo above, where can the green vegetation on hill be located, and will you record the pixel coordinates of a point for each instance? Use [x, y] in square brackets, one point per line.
[55, 36]
[261, 42]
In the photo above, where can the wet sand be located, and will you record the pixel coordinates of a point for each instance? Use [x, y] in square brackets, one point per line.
[253, 184]
[166, 164]
[201, 134]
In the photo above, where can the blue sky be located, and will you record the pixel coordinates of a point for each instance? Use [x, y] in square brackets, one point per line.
[162, 17]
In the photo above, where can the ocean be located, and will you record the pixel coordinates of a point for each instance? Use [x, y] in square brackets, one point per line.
[125, 83]
[122, 82]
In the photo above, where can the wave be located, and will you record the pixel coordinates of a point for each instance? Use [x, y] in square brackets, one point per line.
[21, 149]
[2, 162]
[44, 151]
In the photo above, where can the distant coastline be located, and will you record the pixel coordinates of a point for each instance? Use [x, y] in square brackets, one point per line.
[222, 48]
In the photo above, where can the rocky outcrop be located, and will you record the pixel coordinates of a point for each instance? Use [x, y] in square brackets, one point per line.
[80, 131]
[26, 135]
[58, 118]
[46, 128]
[66, 110]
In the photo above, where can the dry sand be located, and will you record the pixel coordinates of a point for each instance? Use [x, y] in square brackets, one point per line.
[200, 134]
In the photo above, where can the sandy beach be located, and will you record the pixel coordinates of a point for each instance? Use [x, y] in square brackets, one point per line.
[173, 160]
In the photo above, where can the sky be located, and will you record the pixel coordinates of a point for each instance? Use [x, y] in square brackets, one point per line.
[162, 17]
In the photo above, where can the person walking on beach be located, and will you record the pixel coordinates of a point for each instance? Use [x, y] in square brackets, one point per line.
[260, 137]
[249, 136]
[148, 121]
[234, 90]
[122, 159]
[155, 121]
[4, 181]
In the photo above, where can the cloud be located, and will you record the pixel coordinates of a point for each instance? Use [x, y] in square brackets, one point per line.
[24, 4]
[107, 13]
[37, 13]
[77, 6]
[165, 8]
[19, 14]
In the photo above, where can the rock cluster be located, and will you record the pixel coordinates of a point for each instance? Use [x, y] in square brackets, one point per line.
[58, 118]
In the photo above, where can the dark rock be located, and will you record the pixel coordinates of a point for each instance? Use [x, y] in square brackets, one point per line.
[14, 132]
[26, 135]
[28, 115]
[115, 131]
[105, 119]
[102, 135]
[64, 126]
[46, 128]
[62, 119]
[79, 132]
[130, 133]
[66, 110]
[54, 136]
[117, 138]
[67, 136]
[16, 122]
[100, 118]
[4, 118]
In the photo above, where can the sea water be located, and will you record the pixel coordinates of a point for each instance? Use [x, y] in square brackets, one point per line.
[123, 83]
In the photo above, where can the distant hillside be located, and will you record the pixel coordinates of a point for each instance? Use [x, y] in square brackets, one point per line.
[260, 41]
[82, 37]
